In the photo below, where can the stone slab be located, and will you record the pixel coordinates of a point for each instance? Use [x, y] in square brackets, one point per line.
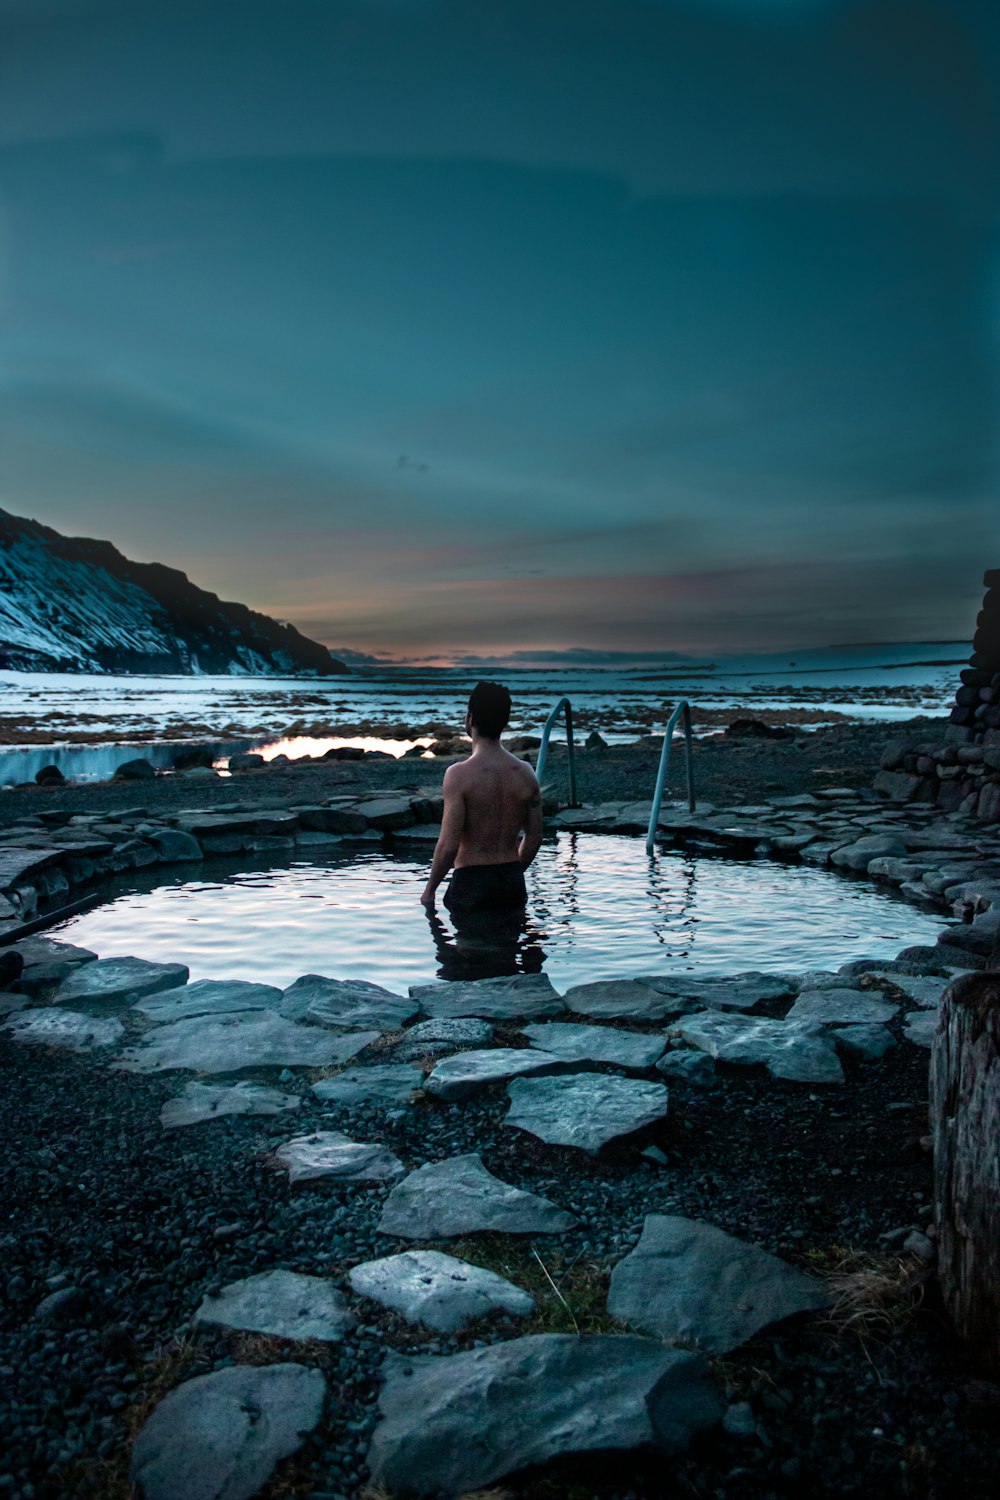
[429, 1039]
[16, 864]
[622, 999]
[328, 1154]
[465, 1073]
[453, 1425]
[120, 979]
[55, 1026]
[866, 1042]
[207, 997]
[438, 1290]
[214, 1101]
[733, 992]
[842, 1007]
[596, 1044]
[585, 1110]
[220, 1436]
[515, 997]
[920, 1027]
[924, 989]
[799, 1051]
[459, 1196]
[43, 950]
[689, 1282]
[281, 1303]
[248, 1039]
[347, 1004]
[380, 1083]
[687, 1067]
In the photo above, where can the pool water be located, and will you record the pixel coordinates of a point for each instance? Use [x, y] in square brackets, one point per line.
[598, 908]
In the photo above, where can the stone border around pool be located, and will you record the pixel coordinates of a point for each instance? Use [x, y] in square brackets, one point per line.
[946, 863]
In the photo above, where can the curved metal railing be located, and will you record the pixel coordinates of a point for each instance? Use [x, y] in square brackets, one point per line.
[683, 708]
[543, 749]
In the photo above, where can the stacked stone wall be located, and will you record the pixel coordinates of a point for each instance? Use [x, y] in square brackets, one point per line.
[961, 771]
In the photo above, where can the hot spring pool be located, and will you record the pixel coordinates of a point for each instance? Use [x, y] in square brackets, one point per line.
[598, 908]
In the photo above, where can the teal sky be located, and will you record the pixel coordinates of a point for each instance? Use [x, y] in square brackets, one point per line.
[439, 325]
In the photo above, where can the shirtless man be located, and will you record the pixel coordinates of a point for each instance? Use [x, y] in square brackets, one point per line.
[492, 824]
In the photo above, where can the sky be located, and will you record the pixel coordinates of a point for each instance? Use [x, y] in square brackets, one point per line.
[438, 326]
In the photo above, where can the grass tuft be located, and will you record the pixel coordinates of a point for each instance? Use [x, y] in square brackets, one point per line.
[872, 1296]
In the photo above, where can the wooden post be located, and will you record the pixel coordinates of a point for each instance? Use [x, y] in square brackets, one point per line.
[965, 1122]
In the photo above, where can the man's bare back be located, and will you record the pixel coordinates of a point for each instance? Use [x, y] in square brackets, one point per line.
[492, 812]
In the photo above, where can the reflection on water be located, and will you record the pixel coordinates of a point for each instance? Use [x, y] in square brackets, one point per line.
[598, 908]
[309, 745]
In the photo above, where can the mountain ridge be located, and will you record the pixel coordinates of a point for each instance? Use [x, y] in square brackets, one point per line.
[77, 604]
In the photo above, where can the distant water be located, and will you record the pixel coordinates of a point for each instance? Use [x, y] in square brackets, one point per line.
[399, 704]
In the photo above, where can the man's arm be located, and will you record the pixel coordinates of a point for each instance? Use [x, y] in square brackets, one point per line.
[446, 848]
[531, 838]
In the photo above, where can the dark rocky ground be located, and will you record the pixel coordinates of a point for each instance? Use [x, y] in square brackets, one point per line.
[875, 1400]
[726, 770]
[133, 1225]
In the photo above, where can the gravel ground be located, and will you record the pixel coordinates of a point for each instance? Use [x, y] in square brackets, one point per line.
[142, 1223]
[133, 1225]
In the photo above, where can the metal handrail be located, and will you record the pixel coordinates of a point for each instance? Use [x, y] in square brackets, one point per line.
[543, 748]
[684, 708]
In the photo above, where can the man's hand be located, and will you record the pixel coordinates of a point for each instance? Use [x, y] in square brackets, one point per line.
[427, 897]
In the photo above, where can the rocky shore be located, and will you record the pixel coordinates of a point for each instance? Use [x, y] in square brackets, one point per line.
[351, 1211]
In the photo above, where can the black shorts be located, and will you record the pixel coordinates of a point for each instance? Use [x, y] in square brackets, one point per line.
[486, 887]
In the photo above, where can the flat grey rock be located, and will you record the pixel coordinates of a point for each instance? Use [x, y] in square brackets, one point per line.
[690, 1282]
[859, 855]
[43, 950]
[430, 1039]
[328, 1154]
[247, 1039]
[349, 1004]
[120, 979]
[842, 1007]
[920, 1027]
[800, 1051]
[598, 1044]
[456, 1424]
[16, 863]
[622, 999]
[383, 1083]
[429, 1287]
[734, 992]
[207, 997]
[219, 1436]
[459, 1033]
[926, 990]
[387, 812]
[213, 1101]
[867, 1042]
[281, 1303]
[57, 1027]
[464, 1074]
[514, 997]
[40, 980]
[688, 1067]
[586, 1109]
[459, 1196]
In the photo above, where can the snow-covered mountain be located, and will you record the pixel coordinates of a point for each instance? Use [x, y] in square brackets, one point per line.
[72, 604]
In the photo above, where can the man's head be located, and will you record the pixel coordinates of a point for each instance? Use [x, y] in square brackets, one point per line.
[489, 709]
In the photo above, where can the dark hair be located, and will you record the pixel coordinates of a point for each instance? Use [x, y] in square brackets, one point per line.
[489, 708]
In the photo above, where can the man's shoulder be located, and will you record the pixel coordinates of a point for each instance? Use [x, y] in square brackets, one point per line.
[457, 772]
